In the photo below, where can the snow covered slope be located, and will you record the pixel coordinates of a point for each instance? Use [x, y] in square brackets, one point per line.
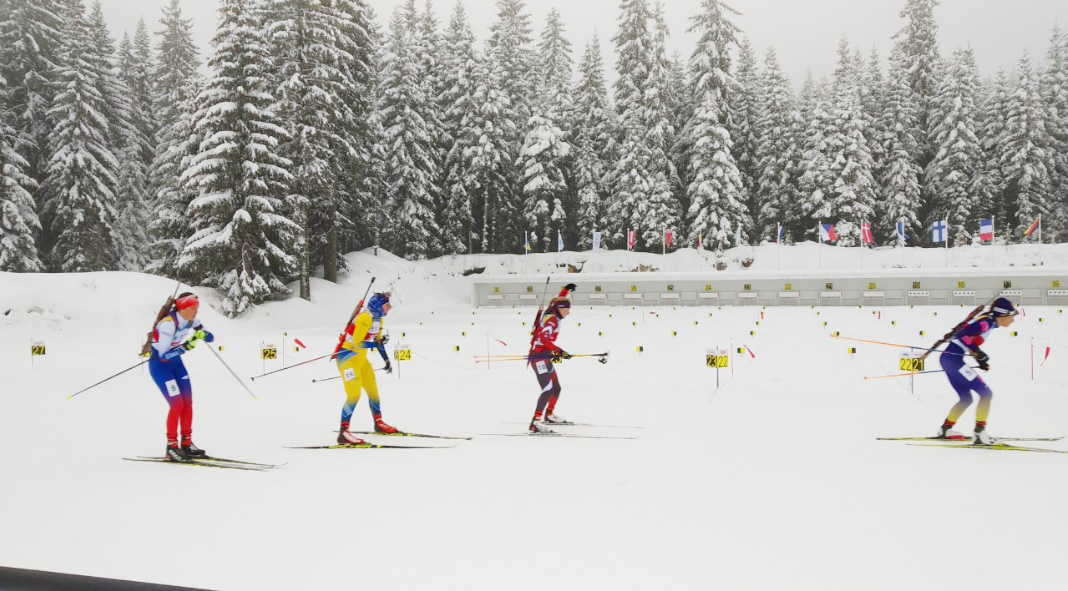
[774, 480]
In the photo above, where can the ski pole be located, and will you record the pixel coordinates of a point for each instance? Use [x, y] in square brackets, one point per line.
[115, 376]
[316, 381]
[929, 350]
[227, 366]
[903, 375]
[292, 366]
[331, 355]
[106, 379]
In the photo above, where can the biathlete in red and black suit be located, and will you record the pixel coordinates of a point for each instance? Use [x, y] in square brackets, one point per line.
[543, 353]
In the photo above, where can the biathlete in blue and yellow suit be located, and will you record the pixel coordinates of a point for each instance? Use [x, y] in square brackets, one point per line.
[963, 377]
[362, 335]
[173, 335]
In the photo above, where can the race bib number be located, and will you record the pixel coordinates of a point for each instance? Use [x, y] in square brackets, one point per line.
[968, 373]
[541, 367]
[350, 374]
[172, 388]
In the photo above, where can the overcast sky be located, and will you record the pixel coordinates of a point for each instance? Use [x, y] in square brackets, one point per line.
[805, 32]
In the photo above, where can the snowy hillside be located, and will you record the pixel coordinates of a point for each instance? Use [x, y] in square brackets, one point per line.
[705, 487]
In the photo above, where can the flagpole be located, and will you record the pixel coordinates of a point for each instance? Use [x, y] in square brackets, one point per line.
[819, 244]
[1040, 239]
[993, 235]
[947, 242]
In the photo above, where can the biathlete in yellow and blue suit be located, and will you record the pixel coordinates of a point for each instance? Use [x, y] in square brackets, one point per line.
[362, 335]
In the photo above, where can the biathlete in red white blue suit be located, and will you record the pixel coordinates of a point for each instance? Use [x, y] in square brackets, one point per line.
[175, 334]
[544, 352]
[963, 377]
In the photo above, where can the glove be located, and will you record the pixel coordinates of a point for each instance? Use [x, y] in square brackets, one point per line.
[389, 367]
[382, 339]
[200, 335]
[571, 287]
[983, 359]
[561, 354]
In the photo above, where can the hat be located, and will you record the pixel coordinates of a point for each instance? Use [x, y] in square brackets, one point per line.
[558, 303]
[186, 301]
[376, 303]
[1002, 307]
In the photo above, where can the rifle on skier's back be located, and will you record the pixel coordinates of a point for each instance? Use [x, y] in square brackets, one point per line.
[949, 335]
[166, 309]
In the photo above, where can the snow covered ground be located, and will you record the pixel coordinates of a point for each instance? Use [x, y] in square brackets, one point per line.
[772, 481]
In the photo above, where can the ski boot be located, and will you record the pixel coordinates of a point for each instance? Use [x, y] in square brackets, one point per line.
[175, 453]
[192, 451]
[346, 438]
[538, 428]
[382, 427]
[554, 419]
[946, 432]
[981, 436]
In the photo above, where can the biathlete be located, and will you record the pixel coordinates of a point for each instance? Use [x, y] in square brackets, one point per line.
[544, 352]
[173, 335]
[963, 377]
[361, 335]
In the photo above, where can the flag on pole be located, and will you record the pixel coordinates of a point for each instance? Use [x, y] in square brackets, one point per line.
[1034, 226]
[738, 235]
[667, 238]
[901, 237]
[526, 243]
[827, 233]
[596, 241]
[778, 233]
[632, 238]
[698, 241]
[938, 231]
[986, 229]
[559, 242]
[865, 234]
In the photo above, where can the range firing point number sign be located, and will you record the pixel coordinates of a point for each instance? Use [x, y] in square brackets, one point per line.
[716, 358]
[269, 353]
[37, 349]
[910, 362]
[403, 354]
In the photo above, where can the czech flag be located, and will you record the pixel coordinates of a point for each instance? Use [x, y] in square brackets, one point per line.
[986, 229]
[827, 233]
[778, 233]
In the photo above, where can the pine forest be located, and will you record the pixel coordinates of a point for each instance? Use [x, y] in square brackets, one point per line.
[313, 128]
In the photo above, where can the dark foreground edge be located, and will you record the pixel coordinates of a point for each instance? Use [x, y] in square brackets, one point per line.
[17, 579]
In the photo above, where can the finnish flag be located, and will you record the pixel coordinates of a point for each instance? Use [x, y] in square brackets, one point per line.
[901, 231]
[938, 232]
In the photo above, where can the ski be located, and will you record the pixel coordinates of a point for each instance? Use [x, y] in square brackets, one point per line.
[405, 434]
[995, 446]
[553, 434]
[968, 439]
[254, 468]
[577, 424]
[371, 446]
[242, 462]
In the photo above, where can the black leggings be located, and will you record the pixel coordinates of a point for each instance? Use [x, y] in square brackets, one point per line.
[547, 379]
